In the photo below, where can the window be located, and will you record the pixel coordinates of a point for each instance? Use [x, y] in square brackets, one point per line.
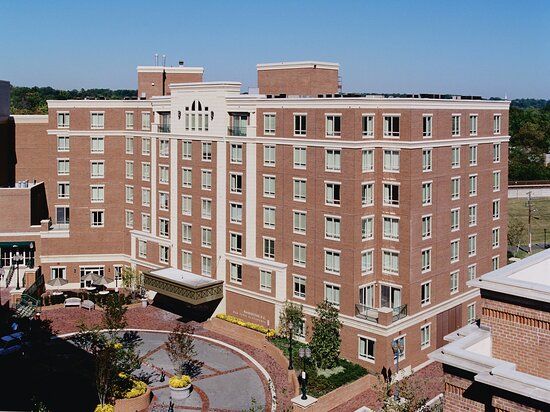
[455, 251]
[235, 273]
[59, 272]
[473, 125]
[367, 228]
[471, 313]
[206, 208]
[62, 215]
[332, 193]
[269, 155]
[186, 150]
[400, 342]
[146, 197]
[473, 185]
[206, 237]
[97, 218]
[206, 179]
[206, 265]
[455, 188]
[235, 183]
[472, 245]
[367, 160]
[391, 160]
[472, 269]
[63, 190]
[366, 296]
[235, 242]
[472, 215]
[97, 120]
[299, 157]
[299, 254]
[426, 261]
[186, 233]
[236, 154]
[129, 169]
[186, 205]
[332, 294]
[63, 167]
[367, 265]
[206, 151]
[63, 143]
[455, 127]
[129, 192]
[390, 262]
[427, 125]
[235, 213]
[164, 148]
[496, 237]
[269, 186]
[146, 222]
[391, 126]
[300, 192]
[164, 200]
[455, 157]
[427, 160]
[97, 194]
[425, 293]
[426, 227]
[366, 348]
[164, 174]
[455, 219]
[496, 152]
[332, 160]
[473, 155]
[454, 282]
[63, 120]
[129, 120]
[391, 228]
[142, 248]
[496, 209]
[367, 194]
[299, 222]
[300, 124]
[145, 120]
[333, 125]
[332, 227]
[269, 217]
[496, 123]
[299, 287]
[164, 227]
[425, 336]
[129, 145]
[269, 248]
[368, 126]
[145, 146]
[496, 181]
[426, 193]
[97, 169]
[332, 261]
[164, 254]
[265, 280]
[269, 124]
[146, 171]
[495, 262]
[186, 260]
[391, 194]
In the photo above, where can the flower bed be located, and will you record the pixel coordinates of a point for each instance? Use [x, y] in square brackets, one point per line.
[258, 328]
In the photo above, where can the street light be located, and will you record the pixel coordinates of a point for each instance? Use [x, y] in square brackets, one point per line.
[17, 258]
[397, 348]
[291, 328]
[304, 354]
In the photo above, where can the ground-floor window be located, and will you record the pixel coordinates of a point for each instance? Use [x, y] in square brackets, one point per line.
[86, 271]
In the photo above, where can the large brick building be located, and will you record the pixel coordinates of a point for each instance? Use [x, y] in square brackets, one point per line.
[501, 363]
[385, 206]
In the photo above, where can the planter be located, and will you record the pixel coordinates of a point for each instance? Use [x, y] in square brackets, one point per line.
[143, 303]
[180, 393]
[139, 403]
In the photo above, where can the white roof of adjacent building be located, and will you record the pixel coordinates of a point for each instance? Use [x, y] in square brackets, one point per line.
[185, 278]
[298, 65]
[170, 69]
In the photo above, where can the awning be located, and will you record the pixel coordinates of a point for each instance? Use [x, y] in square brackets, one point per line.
[8, 245]
[182, 285]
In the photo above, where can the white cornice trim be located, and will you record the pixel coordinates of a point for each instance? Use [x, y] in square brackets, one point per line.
[30, 118]
[12, 234]
[177, 69]
[83, 258]
[298, 65]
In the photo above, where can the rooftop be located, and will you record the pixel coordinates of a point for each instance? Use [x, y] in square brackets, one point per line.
[183, 277]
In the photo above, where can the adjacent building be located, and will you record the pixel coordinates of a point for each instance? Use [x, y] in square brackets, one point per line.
[385, 206]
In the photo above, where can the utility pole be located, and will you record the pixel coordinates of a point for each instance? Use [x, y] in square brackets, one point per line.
[530, 211]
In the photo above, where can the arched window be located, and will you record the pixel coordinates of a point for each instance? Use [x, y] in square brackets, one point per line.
[196, 119]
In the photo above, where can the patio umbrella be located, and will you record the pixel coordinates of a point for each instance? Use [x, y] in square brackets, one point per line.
[57, 282]
[100, 280]
[88, 277]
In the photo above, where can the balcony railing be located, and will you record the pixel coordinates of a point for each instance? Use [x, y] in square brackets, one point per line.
[164, 128]
[399, 312]
[372, 314]
[236, 131]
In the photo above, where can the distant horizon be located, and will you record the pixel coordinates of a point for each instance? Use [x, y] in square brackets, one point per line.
[490, 49]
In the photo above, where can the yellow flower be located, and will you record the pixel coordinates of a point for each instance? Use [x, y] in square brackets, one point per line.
[118, 345]
[180, 382]
[104, 408]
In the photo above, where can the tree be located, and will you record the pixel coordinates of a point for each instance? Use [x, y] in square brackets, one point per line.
[411, 394]
[325, 342]
[114, 316]
[181, 351]
[132, 279]
[290, 314]
[516, 231]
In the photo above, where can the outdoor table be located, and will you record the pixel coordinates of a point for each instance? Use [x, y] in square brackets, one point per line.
[90, 288]
[103, 292]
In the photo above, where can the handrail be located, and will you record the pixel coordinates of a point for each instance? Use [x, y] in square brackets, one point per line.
[366, 312]
[236, 131]
[10, 275]
[399, 312]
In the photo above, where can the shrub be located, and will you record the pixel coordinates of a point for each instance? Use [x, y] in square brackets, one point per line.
[249, 325]
[325, 342]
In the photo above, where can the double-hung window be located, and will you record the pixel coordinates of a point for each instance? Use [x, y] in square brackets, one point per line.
[391, 160]
[300, 124]
[300, 157]
[426, 160]
[391, 126]
[97, 120]
[269, 124]
[300, 190]
[333, 125]
[473, 125]
[332, 227]
[332, 160]
[97, 144]
[368, 125]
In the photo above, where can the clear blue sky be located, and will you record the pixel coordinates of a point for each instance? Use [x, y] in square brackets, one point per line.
[482, 47]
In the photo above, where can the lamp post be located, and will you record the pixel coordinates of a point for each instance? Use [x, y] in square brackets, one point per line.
[304, 353]
[291, 329]
[17, 258]
[397, 349]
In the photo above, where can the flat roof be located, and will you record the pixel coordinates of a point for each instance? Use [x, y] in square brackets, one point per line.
[169, 69]
[183, 277]
[298, 65]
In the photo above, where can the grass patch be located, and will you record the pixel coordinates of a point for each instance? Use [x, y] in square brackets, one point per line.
[517, 209]
[318, 385]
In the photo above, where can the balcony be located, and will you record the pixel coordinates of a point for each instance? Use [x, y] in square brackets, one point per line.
[373, 314]
[236, 131]
[164, 128]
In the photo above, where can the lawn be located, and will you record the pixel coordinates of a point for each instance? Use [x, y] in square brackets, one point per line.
[517, 209]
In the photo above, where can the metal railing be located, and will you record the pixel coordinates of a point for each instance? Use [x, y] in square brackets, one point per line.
[10, 276]
[399, 312]
[164, 128]
[372, 314]
[236, 131]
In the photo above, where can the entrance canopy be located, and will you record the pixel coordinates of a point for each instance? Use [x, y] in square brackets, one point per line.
[185, 286]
